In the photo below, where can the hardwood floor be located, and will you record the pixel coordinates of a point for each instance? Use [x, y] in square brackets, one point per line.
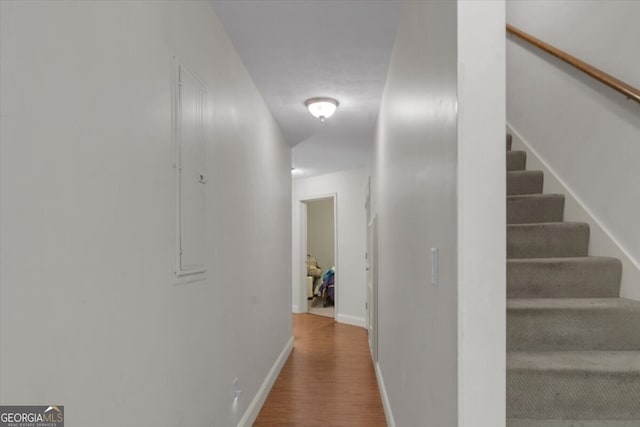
[328, 380]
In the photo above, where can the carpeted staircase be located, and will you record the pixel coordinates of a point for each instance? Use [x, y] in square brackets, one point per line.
[573, 346]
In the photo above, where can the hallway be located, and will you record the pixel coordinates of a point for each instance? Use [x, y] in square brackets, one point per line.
[328, 380]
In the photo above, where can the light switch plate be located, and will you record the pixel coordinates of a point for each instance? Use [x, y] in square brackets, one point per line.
[434, 266]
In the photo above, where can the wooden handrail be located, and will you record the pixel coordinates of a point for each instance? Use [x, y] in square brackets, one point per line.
[625, 89]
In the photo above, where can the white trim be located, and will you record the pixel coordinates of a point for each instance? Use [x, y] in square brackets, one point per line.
[336, 254]
[351, 320]
[385, 398]
[294, 309]
[255, 406]
[302, 222]
[303, 246]
[601, 242]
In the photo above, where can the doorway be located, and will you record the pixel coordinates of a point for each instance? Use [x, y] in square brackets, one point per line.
[320, 282]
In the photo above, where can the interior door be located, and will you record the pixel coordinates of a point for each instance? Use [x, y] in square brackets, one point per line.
[372, 286]
[190, 169]
[371, 257]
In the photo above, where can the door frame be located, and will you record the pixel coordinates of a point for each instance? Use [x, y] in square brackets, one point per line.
[302, 258]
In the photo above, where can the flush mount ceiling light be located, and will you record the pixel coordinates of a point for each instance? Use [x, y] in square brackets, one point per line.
[322, 108]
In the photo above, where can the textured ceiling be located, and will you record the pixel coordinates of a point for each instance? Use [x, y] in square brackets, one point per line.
[299, 49]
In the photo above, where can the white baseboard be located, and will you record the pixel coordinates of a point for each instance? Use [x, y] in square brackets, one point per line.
[385, 398]
[253, 410]
[601, 241]
[351, 320]
[296, 309]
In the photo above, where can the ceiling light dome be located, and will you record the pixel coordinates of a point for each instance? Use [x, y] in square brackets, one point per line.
[322, 108]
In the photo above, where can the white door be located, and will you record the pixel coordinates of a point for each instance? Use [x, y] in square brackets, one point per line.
[371, 257]
[190, 169]
[372, 286]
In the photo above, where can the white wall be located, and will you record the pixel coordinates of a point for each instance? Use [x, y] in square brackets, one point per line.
[586, 133]
[438, 182]
[481, 214]
[414, 188]
[349, 188]
[598, 32]
[91, 314]
[320, 232]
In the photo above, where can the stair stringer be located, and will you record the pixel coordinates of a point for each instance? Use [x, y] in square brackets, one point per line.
[601, 241]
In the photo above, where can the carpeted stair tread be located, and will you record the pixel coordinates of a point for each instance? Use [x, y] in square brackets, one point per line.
[524, 182]
[544, 240]
[573, 324]
[565, 277]
[514, 422]
[586, 385]
[516, 160]
[573, 303]
[509, 140]
[535, 208]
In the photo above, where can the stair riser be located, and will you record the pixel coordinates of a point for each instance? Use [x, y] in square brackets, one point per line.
[516, 160]
[515, 422]
[528, 210]
[524, 182]
[573, 395]
[573, 330]
[594, 278]
[547, 240]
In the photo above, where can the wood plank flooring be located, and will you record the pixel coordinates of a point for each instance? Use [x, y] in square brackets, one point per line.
[328, 380]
